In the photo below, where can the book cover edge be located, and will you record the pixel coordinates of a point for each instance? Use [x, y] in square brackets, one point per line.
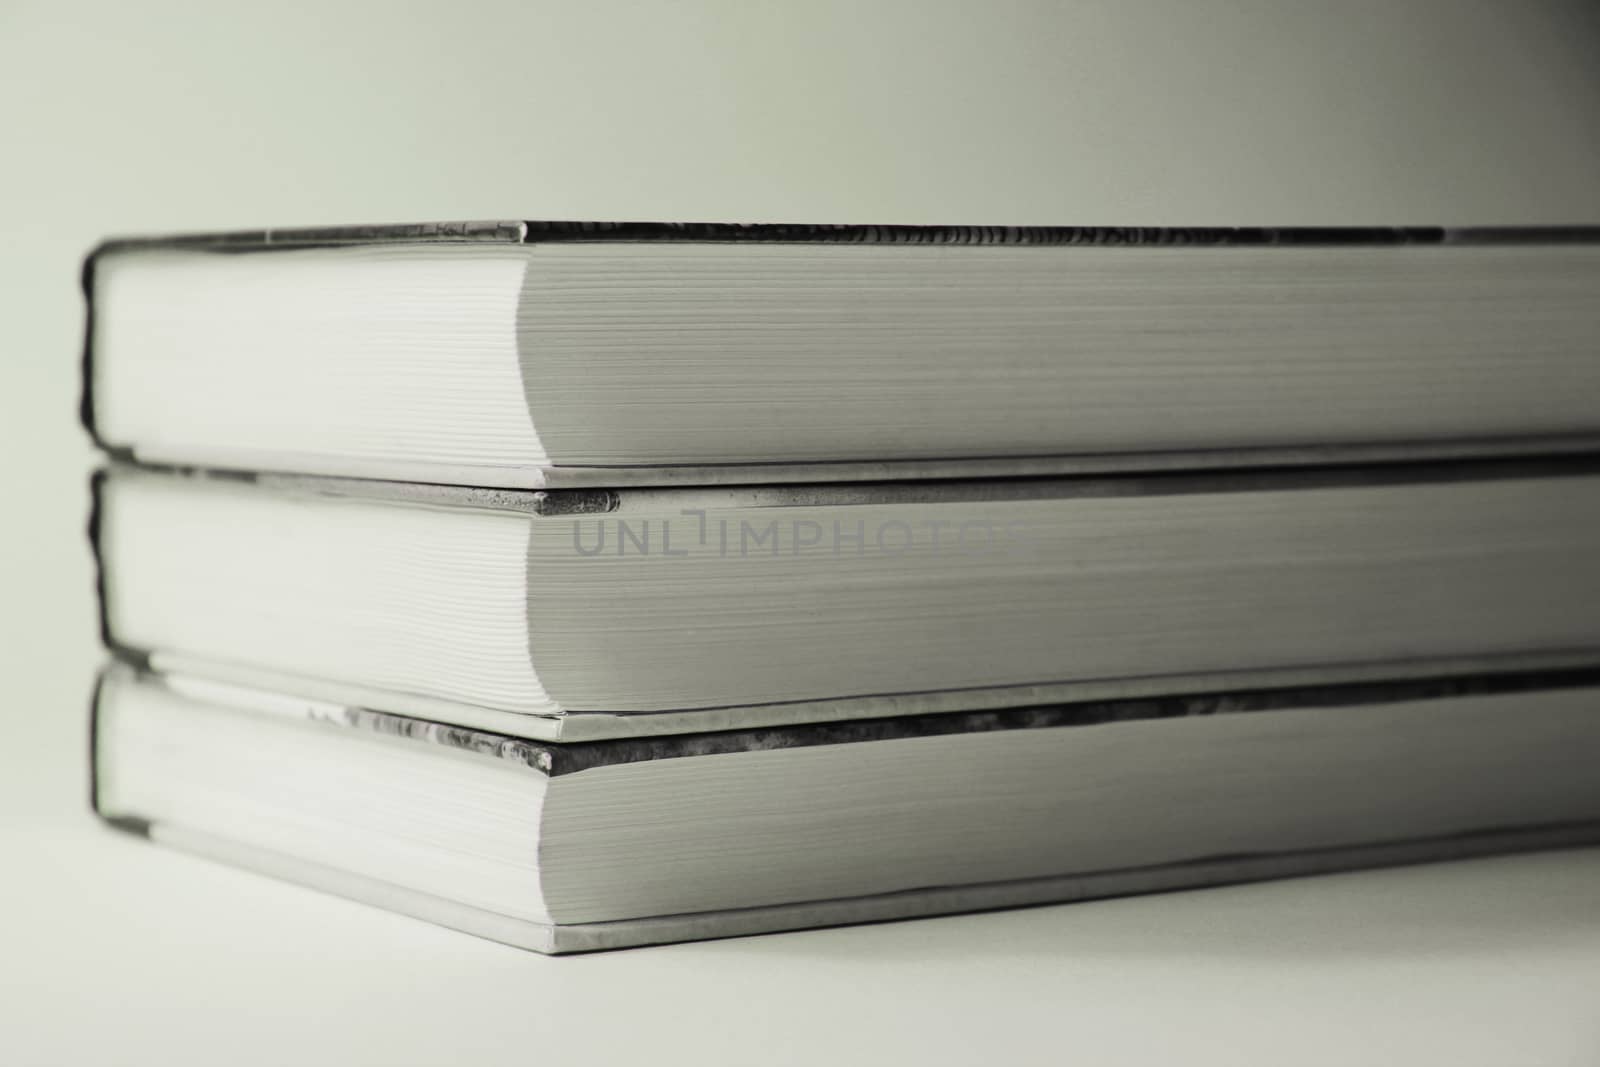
[505, 231]
[557, 758]
[560, 939]
[580, 503]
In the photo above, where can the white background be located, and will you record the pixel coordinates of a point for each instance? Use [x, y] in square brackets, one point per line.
[122, 117]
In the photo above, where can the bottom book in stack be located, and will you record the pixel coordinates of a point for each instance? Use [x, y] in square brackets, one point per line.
[571, 847]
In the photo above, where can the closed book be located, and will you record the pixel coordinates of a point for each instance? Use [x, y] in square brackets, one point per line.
[549, 355]
[575, 847]
[571, 615]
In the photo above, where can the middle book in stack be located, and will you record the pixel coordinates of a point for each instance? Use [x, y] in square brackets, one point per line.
[578, 614]
[1422, 616]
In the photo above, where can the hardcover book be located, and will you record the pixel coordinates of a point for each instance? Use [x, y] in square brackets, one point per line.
[569, 848]
[567, 615]
[534, 355]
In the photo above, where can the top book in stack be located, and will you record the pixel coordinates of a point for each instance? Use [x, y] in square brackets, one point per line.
[549, 355]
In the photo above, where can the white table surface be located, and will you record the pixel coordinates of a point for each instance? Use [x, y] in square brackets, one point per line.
[116, 951]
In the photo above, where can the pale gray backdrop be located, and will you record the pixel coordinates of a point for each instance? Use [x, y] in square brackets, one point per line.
[126, 117]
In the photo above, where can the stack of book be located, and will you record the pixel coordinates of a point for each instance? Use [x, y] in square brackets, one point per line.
[591, 585]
